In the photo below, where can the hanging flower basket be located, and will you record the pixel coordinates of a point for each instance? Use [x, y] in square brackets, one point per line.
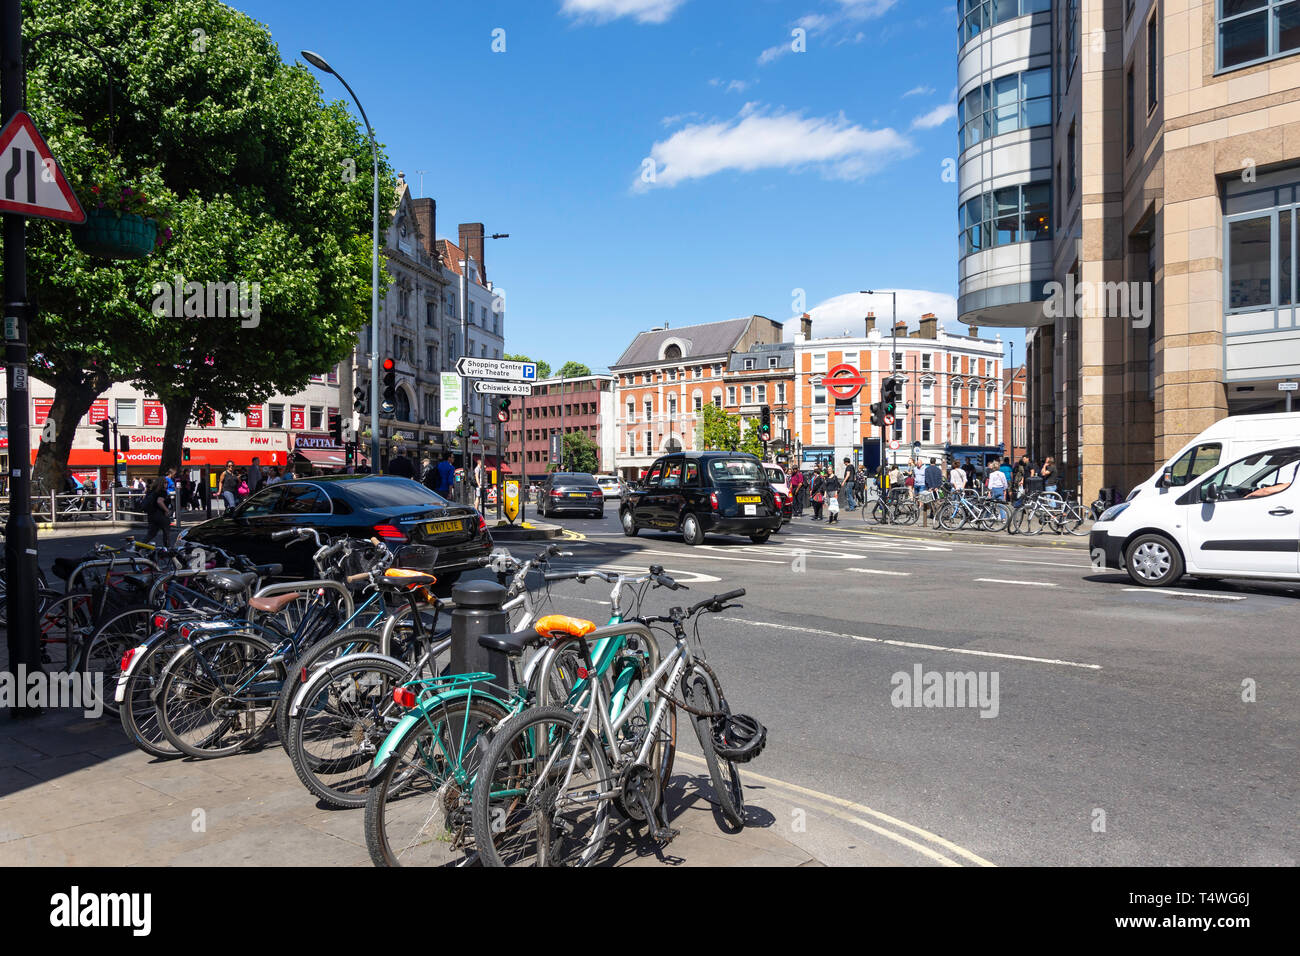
[113, 235]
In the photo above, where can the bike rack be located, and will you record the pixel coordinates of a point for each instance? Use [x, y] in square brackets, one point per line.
[321, 583]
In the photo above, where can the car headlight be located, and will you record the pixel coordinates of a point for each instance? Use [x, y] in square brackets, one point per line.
[1113, 512]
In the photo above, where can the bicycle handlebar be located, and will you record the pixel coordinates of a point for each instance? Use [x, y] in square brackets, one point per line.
[715, 603]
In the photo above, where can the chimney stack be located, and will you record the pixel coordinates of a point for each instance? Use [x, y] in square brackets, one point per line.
[900, 328]
[805, 326]
[471, 244]
[974, 331]
[426, 216]
[929, 326]
[871, 322]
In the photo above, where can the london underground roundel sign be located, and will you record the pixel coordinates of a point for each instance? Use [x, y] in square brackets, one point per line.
[844, 381]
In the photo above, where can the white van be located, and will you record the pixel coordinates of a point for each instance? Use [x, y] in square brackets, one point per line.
[1239, 520]
[1226, 440]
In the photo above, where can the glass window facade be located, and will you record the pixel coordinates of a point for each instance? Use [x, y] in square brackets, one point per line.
[1004, 216]
[1009, 103]
[975, 16]
[1252, 30]
[1260, 242]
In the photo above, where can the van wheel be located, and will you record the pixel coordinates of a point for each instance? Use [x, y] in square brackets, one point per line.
[761, 537]
[629, 524]
[692, 533]
[1153, 561]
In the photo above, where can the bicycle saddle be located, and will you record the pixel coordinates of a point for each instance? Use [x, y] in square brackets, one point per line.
[231, 581]
[512, 644]
[553, 624]
[404, 578]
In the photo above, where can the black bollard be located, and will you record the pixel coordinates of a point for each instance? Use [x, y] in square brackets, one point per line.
[478, 611]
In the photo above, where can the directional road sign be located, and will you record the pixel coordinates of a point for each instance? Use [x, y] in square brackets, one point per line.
[31, 182]
[497, 368]
[1288, 386]
[503, 388]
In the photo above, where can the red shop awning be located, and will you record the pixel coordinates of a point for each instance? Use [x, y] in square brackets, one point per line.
[322, 457]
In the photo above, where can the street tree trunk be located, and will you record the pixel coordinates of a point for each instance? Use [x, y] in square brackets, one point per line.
[74, 392]
[178, 410]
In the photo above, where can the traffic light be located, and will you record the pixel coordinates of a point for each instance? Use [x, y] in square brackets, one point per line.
[765, 424]
[891, 394]
[359, 400]
[185, 454]
[390, 386]
[105, 441]
[336, 428]
[878, 415]
[503, 410]
[123, 444]
[347, 455]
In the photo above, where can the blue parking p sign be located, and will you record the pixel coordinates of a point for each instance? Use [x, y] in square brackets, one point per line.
[530, 371]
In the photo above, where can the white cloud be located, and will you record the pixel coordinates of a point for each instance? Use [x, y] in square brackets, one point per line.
[729, 86]
[817, 24]
[936, 117]
[756, 139]
[866, 9]
[847, 312]
[919, 91]
[602, 11]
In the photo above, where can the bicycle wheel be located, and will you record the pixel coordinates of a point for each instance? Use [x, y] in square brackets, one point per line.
[101, 655]
[907, 512]
[137, 712]
[416, 812]
[524, 813]
[203, 712]
[702, 694]
[356, 640]
[951, 515]
[1072, 521]
[994, 516]
[877, 513]
[64, 627]
[341, 725]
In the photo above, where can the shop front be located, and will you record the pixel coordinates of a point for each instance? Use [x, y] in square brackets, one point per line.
[317, 454]
[213, 447]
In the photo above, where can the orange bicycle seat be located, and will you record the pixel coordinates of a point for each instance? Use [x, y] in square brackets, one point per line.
[563, 624]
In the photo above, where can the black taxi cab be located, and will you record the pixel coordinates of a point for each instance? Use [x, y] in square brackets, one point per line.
[696, 493]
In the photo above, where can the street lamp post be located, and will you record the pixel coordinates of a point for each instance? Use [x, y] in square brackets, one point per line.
[319, 62]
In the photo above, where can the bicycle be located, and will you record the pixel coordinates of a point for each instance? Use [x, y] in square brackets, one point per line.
[968, 507]
[896, 507]
[551, 774]
[430, 758]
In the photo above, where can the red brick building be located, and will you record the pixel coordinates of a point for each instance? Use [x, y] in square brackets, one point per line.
[556, 407]
[1015, 412]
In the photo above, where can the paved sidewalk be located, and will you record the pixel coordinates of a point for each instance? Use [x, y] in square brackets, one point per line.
[74, 793]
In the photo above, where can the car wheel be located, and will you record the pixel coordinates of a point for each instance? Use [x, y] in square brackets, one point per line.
[1153, 561]
[692, 533]
[600, 513]
[761, 537]
[629, 524]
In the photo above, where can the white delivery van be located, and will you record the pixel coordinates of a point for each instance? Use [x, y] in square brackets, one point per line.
[1239, 520]
[1226, 440]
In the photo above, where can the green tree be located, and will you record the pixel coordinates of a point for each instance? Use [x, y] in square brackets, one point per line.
[751, 443]
[719, 431]
[580, 453]
[543, 368]
[573, 370]
[268, 185]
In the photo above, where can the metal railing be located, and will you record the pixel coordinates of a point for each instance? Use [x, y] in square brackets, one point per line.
[112, 508]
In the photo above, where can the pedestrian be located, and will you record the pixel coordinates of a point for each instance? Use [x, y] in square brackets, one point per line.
[796, 492]
[401, 466]
[957, 478]
[157, 511]
[850, 485]
[933, 478]
[446, 475]
[818, 493]
[997, 481]
[229, 485]
[832, 490]
[916, 481]
[1049, 474]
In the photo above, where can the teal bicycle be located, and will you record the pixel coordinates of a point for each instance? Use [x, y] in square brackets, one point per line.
[418, 804]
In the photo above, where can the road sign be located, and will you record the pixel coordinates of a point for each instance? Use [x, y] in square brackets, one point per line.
[496, 368]
[844, 381]
[1287, 386]
[893, 444]
[450, 401]
[889, 419]
[31, 182]
[503, 388]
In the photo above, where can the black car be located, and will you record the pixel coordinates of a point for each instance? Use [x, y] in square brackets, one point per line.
[397, 510]
[704, 492]
[571, 491]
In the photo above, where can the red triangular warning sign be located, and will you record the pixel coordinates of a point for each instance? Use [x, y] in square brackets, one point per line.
[31, 182]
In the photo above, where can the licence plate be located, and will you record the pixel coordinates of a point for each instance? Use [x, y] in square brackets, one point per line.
[577, 494]
[443, 527]
[748, 499]
[751, 509]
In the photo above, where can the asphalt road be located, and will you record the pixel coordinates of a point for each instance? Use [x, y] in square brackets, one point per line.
[1116, 732]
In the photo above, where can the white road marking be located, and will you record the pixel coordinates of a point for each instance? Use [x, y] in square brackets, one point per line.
[1027, 584]
[912, 644]
[711, 557]
[901, 574]
[1050, 564]
[1191, 594]
[839, 803]
[681, 575]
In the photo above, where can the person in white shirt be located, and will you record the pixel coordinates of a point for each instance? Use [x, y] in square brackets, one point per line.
[958, 477]
[997, 482]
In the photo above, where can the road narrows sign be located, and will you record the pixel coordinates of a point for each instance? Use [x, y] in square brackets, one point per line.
[31, 182]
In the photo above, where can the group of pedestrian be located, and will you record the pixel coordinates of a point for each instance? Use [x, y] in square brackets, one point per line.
[822, 487]
[440, 478]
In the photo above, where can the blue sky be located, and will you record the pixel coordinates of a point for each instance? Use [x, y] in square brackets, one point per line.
[773, 170]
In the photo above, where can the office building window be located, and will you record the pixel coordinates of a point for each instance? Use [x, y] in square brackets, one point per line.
[126, 413]
[717, 398]
[780, 393]
[927, 425]
[276, 416]
[1153, 59]
[1005, 216]
[731, 395]
[819, 394]
[926, 361]
[974, 16]
[748, 393]
[1008, 103]
[315, 418]
[761, 391]
[1253, 30]
[819, 362]
[698, 400]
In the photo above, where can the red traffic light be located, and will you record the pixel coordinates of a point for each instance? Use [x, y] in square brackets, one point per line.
[389, 365]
